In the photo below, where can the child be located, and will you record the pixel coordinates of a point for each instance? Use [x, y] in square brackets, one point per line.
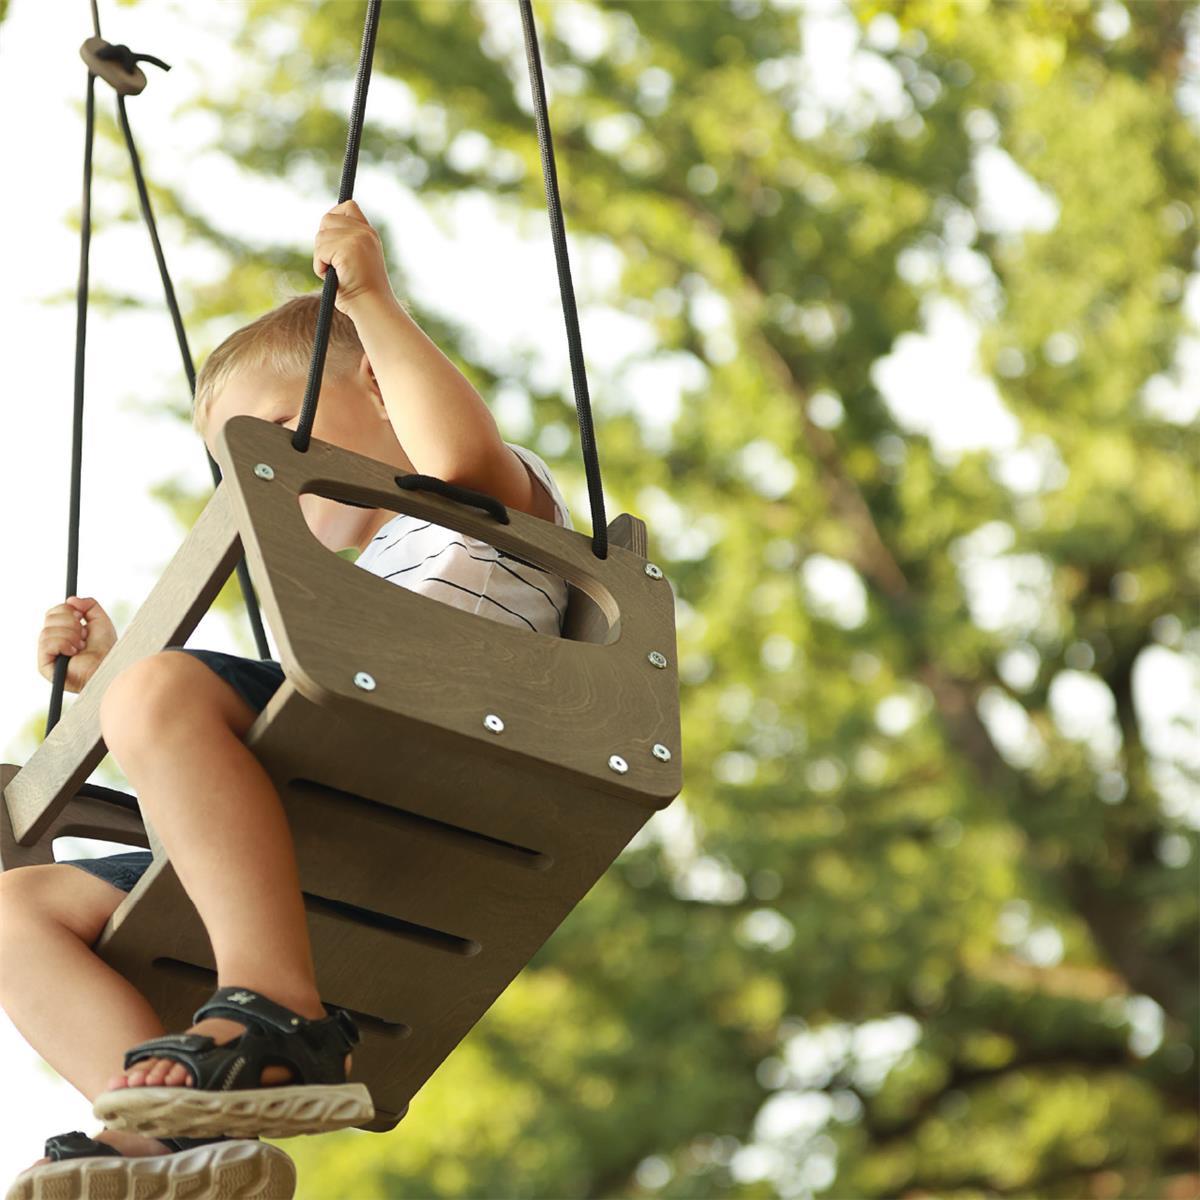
[174, 721]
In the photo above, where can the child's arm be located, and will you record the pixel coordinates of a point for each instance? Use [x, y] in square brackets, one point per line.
[439, 418]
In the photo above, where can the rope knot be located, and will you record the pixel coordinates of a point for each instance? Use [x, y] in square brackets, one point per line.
[127, 59]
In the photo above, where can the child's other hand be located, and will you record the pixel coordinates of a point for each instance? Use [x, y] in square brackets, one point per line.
[348, 241]
[65, 632]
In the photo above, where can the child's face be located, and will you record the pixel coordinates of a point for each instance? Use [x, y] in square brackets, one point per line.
[350, 413]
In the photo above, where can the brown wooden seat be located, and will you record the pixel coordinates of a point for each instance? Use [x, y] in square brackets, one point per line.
[436, 853]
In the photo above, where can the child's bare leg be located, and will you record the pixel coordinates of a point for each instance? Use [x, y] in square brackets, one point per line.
[69, 1004]
[176, 729]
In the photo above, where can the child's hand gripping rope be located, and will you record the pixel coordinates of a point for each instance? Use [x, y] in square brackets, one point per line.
[80, 628]
[349, 242]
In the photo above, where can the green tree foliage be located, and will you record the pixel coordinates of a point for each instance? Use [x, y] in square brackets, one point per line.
[907, 927]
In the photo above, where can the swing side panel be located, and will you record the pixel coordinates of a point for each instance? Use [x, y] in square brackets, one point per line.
[435, 857]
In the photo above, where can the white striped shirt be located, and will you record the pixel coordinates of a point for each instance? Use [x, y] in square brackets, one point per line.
[471, 574]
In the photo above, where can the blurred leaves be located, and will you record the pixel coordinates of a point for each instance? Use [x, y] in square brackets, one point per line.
[909, 931]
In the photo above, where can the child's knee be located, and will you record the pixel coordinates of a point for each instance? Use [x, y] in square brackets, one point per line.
[72, 897]
[143, 694]
[127, 695]
[167, 688]
[21, 889]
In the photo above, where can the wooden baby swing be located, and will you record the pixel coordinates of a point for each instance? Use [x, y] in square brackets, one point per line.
[454, 786]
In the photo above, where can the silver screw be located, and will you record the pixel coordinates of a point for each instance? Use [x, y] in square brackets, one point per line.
[661, 752]
[364, 681]
[618, 764]
[653, 571]
[493, 722]
[263, 471]
[295, 1020]
[659, 660]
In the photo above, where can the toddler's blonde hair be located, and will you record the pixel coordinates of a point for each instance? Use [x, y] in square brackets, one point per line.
[282, 341]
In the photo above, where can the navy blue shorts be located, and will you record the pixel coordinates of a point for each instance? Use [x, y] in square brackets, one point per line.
[256, 681]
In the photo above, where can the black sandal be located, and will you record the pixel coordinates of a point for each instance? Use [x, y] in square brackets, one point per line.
[84, 1168]
[316, 1100]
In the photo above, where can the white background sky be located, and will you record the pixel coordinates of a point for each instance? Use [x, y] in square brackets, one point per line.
[495, 277]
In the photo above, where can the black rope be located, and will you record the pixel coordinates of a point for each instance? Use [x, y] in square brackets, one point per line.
[243, 571]
[59, 684]
[583, 406]
[62, 662]
[452, 491]
[308, 411]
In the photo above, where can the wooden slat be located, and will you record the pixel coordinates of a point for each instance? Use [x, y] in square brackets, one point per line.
[74, 747]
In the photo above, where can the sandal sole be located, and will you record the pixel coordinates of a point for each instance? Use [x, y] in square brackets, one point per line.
[224, 1171]
[282, 1111]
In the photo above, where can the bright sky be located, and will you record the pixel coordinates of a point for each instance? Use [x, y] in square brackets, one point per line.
[133, 372]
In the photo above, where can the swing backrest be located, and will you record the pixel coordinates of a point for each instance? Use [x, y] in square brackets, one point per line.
[438, 847]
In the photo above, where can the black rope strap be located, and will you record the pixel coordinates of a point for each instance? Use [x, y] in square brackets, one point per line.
[583, 405]
[189, 369]
[128, 58]
[316, 370]
[59, 684]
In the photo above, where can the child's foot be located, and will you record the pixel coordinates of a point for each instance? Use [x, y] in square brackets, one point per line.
[132, 1145]
[166, 1072]
[140, 1165]
[239, 1035]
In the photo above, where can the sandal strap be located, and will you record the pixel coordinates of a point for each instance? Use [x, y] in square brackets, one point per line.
[77, 1144]
[235, 1003]
[314, 1051]
[213, 1067]
[161, 1047]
